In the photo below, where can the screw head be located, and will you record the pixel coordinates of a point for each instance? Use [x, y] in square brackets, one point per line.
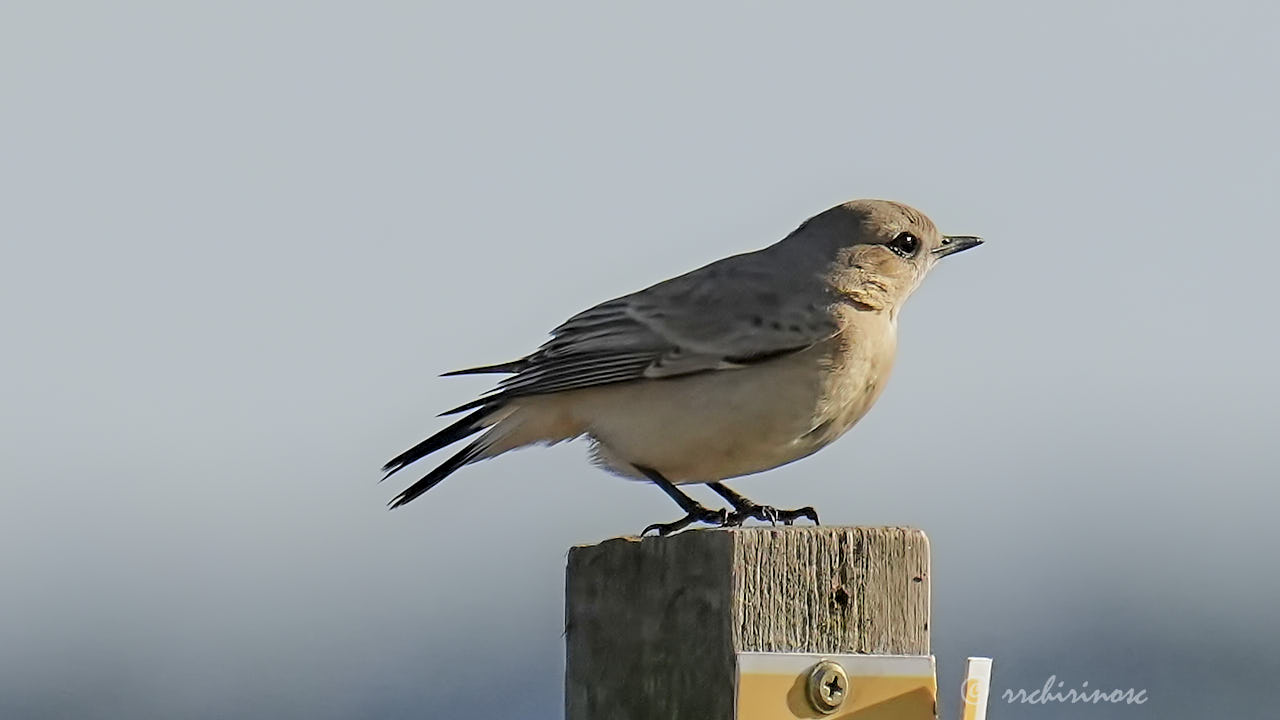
[828, 687]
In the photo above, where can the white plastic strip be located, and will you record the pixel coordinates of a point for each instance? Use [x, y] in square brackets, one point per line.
[977, 685]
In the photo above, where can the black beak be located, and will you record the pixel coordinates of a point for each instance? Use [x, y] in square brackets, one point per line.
[952, 244]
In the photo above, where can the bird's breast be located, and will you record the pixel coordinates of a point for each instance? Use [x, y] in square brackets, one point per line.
[718, 425]
[861, 359]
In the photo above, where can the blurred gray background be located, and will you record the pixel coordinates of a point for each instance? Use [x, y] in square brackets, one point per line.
[242, 239]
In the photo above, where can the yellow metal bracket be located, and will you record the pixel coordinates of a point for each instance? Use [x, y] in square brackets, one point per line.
[790, 686]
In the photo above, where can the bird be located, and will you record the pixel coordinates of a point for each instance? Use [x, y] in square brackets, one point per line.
[743, 365]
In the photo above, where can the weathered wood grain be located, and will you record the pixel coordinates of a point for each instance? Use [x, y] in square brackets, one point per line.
[652, 625]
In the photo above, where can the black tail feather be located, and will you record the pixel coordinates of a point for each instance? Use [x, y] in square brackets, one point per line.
[506, 367]
[434, 477]
[465, 427]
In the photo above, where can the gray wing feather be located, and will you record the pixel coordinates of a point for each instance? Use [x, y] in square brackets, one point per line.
[720, 317]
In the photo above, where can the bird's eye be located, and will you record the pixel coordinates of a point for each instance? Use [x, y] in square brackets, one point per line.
[905, 244]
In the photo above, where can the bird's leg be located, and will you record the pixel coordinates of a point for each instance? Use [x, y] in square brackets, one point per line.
[696, 512]
[744, 508]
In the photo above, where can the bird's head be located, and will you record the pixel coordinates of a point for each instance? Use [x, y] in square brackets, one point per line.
[876, 251]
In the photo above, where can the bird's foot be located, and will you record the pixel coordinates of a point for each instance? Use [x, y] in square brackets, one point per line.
[744, 509]
[697, 513]
[768, 513]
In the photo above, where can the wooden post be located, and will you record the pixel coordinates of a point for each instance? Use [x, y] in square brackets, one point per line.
[653, 625]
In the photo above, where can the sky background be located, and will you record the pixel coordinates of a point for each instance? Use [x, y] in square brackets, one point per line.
[241, 240]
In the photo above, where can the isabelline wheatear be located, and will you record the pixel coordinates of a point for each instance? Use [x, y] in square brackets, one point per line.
[740, 366]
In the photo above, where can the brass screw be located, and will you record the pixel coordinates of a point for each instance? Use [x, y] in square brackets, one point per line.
[828, 687]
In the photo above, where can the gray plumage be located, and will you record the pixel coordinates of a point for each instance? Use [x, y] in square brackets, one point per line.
[744, 364]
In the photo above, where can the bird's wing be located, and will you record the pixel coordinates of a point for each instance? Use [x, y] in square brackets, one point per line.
[724, 316]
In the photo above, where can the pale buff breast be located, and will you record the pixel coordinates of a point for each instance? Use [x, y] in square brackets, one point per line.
[719, 425]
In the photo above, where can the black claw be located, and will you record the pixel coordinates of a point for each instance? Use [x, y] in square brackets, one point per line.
[698, 513]
[770, 514]
[748, 510]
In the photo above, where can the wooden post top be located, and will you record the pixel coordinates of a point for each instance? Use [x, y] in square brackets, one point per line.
[653, 625]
